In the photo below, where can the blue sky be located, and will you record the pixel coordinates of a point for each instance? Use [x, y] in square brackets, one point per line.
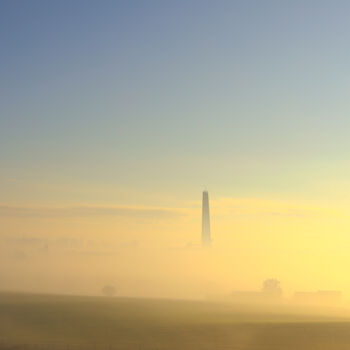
[164, 98]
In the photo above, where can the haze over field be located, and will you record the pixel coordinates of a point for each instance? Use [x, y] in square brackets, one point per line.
[157, 252]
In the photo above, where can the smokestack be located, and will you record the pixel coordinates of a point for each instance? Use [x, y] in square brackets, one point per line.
[206, 239]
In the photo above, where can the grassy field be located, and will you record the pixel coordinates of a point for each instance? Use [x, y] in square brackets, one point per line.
[64, 322]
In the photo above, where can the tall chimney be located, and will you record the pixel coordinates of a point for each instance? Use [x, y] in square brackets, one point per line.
[206, 239]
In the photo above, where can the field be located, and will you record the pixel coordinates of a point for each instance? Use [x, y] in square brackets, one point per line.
[64, 322]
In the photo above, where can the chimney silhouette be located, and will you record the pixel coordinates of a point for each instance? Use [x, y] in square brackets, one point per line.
[206, 239]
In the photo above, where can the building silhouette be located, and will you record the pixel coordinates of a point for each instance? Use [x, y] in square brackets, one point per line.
[206, 238]
[321, 297]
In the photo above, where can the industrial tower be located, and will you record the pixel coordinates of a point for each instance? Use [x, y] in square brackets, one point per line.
[206, 239]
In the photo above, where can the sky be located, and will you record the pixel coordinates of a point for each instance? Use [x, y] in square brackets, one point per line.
[115, 115]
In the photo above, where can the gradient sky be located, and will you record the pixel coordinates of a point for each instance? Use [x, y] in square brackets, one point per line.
[132, 108]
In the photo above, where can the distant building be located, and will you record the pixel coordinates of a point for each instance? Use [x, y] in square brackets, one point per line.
[271, 293]
[254, 297]
[206, 237]
[320, 297]
[248, 297]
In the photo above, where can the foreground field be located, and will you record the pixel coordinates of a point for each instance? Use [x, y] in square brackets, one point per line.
[63, 323]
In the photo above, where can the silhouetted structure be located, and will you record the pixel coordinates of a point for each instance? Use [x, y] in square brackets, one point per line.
[206, 239]
[271, 287]
[271, 292]
[321, 297]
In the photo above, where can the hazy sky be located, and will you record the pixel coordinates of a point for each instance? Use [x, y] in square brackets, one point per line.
[115, 115]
